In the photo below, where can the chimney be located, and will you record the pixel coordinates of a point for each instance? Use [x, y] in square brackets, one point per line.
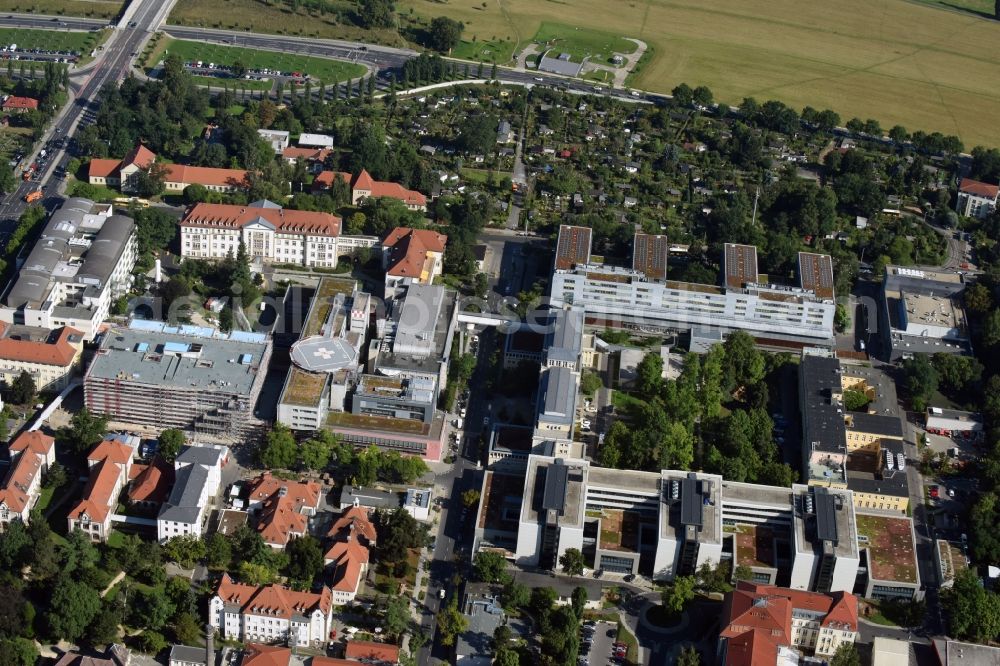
[209, 645]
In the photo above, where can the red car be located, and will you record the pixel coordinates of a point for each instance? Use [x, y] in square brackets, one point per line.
[934, 492]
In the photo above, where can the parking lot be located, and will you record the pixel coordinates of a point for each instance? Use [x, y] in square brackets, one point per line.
[602, 639]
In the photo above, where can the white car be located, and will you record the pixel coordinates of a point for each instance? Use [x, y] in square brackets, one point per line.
[586, 424]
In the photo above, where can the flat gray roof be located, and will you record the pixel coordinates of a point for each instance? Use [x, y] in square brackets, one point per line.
[564, 340]
[184, 357]
[558, 403]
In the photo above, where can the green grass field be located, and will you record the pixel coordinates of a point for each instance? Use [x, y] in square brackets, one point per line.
[53, 40]
[89, 8]
[580, 43]
[924, 64]
[322, 69]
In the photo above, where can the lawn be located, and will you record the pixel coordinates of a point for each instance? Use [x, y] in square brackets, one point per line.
[89, 8]
[50, 40]
[322, 69]
[232, 83]
[581, 43]
[625, 636]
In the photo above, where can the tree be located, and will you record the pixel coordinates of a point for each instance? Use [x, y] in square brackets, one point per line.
[280, 450]
[973, 612]
[515, 595]
[742, 572]
[218, 551]
[572, 562]
[397, 615]
[743, 364]
[444, 34]
[315, 452]
[470, 498]
[305, 560]
[678, 594]
[12, 612]
[689, 656]
[55, 476]
[151, 642]
[22, 389]
[106, 629]
[171, 441]
[185, 550]
[920, 380]
[846, 655]
[83, 432]
[477, 133]
[683, 95]
[187, 630]
[579, 601]
[398, 531]
[855, 401]
[8, 183]
[149, 609]
[239, 69]
[649, 374]
[451, 622]
[676, 447]
[490, 567]
[377, 13]
[590, 382]
[256, 574]
[72, 607]
[702, 96]
[18, 652]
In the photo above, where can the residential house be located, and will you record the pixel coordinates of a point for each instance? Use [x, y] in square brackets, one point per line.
[307, 140]
[110, 464]
[197, 474]
[314, 158]
[353, 534]
[14, 104]
[31, 453]
[282, 508]
[761, 622]
[411, 256]
[270, 613]
[277, 139]
[50, 361]
[504, 132]
[364, 187]
[976, 199]
[124, 174]
[269, 233]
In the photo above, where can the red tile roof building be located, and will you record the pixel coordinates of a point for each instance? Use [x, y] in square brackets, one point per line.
[412, 256]
[371, 652]
[761, 621]
[976, 199]
[255, 654]
[20, 104]
[268, 231]
[282, 508]
[50, 362]
[150, 484]
[110, 466]
[123, 174]
[353, 533]
[363, 186]
[270, 613]
[30, 454]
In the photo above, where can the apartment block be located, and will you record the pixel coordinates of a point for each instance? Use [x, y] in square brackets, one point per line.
[976, 199]
[51, 358]
[186, 377]
[81, 263]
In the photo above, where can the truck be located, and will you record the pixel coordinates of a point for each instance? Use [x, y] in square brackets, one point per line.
[32, 197]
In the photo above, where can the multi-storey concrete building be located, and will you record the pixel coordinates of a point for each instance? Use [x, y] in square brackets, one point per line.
[271, 614]
[922, 313]
[178, 377]
[268, 232]
[80, 264]
[616, 296]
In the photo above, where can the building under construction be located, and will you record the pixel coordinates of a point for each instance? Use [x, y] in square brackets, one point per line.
[186, 377]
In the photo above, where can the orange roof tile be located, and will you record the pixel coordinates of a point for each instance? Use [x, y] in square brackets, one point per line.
[302, 493]
[376, 188]
[140, 156]
[279, 521]
[101, 168]
[363, 181]
[32, 449]
[371, 650]
[283, 220]
[969, 186]
[255, 654]
[61, 352]
[751, 648]
[332, 661]
[409, 249]
[347, 558]
[179, 173]
[308, 154]
[98, 495]
[354, 520]
[113, 450]
[33, 440]
[13, 102]
[280, 600]
[152, 482]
